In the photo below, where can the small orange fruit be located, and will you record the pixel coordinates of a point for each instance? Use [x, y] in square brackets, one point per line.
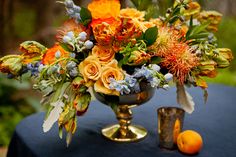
[189, 142]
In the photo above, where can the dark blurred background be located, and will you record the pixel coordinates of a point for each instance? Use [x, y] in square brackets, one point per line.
[22, 20]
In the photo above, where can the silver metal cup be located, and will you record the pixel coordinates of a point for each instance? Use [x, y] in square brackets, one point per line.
[170, 124]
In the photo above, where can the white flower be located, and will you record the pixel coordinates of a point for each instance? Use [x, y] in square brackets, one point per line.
[168, 76]
[82, 36]
[88, 44]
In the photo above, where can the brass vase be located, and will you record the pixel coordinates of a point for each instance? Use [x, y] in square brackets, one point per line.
[125, 131]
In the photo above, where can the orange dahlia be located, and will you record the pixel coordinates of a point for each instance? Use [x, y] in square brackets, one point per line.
[49, 57]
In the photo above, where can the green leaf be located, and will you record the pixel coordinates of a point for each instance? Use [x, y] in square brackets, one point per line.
[65, 47]
[173, 19]
[142, 4]
[151, 12]
[86, 16]
[60, 132]
[155, 60]
[150, 35]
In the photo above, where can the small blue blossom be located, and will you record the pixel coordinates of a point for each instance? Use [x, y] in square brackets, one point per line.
[71, 13]
[74, 72]
[155, 67]
[71, 65]
[41, 67]
[58, 54]
[71, 35]
[168, 76]
[77, 16]
[136, 88]
[66, 39]
[72, 55]
[69, 3]
[155, 82]
[130, 80]
[88, 44]
[10, 76]
[166, 86]
[77, 8]
[82, 36]
[33, 68]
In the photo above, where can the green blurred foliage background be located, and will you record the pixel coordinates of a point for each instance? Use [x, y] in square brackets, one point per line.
[22, 20]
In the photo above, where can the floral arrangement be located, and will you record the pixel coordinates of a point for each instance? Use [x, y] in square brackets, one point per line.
[111, 50]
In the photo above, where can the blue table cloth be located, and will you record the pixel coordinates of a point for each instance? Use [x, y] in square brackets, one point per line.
[215, 121]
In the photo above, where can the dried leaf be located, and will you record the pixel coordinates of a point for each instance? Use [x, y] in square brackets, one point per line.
[205, 96]
[53, 116]
[184, 99]
[68, 138]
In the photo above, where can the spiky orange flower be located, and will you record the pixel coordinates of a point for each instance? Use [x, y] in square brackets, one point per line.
[180, 61]
[167, 37]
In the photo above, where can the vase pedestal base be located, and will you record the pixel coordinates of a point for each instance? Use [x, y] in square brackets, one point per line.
[131, 134]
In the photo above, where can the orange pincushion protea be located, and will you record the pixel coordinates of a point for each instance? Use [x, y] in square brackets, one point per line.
[49, 57]
[180, 61]
[102, 9]
[167, 37]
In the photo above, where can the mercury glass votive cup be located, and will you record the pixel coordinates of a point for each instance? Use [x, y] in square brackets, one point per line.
[170, 124]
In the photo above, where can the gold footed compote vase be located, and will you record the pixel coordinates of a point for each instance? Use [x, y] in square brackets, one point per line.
[125, 131]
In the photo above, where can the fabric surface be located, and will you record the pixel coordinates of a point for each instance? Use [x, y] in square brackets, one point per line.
[215, 121]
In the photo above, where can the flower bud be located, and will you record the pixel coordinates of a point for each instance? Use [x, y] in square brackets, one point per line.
[58, 54]
[82, 36]
[66, 39]
[88, 44]
[168, 76]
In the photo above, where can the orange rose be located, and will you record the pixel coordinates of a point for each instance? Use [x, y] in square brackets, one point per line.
[104, 54]
[132, 13]
[111, 70]
[104, 30]
[104, 8]
[213, 17]
[49, 57]
[90, 68]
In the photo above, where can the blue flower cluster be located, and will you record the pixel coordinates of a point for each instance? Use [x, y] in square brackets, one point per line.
[126, 86]
[150, 73]
[73, 10]
[78, 43]
[72, 68]
[33, 68]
